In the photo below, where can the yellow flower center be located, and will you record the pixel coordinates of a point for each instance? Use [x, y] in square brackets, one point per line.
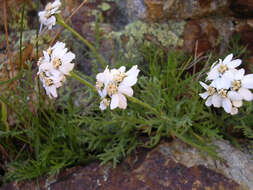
[99, 85]
[222, 68]
[42, 75]
[106, 101]
[57, 63]
[112, 88]
[48, 81]
[40, 61]
[119, 77]
[236, 85]
[223, 93]
[211, 90]
[49, 51]
[49, 7]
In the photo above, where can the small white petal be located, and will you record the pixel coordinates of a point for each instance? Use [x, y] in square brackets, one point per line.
[237, 103]
[246, 94]
[213, 74]
[122, 101]
[129, 80]
[228, 59]
[114, 101]
[247, 81]
[102, 106]
[216, 101]
[125, 90]
[227, 105]
[204, 95]
[208, 102]
[239, 74]
[234, 95]
[234, 111]
[205, 86]
[234, 63]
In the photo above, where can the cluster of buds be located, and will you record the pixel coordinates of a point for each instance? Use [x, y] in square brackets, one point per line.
[47, 17]
[54, 66]
[228, 86]
[113, 85]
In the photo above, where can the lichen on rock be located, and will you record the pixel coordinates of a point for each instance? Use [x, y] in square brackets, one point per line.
[140, 33]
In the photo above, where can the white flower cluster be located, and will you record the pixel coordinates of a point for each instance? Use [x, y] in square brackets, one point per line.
[113, 85]
[47, 17]
[53, 66]
[228, 86]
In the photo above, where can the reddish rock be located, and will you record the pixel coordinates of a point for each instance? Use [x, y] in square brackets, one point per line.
[155, 9]
[195, 8]
[154, 170]
[242, 7]
[202, 35]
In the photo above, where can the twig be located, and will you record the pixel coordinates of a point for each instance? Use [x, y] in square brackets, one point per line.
[69, 17]
[7, 38]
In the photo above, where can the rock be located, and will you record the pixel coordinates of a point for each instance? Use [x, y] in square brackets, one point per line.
[203, 35]
[242, 8]
[139, 33]
[136, 9]
[169, 166]
[155, 10]
[194, 8]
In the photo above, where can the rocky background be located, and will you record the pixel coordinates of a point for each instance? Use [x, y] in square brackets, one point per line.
[120, 28]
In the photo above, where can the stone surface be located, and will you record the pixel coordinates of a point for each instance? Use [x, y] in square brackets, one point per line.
[194, 8]
[169, 166]
[243, 8]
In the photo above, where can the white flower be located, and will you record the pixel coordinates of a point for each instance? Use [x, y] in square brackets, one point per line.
[102, 81]
[57, 58]
[54, 66]
[218, 69]
[51, 82]
[116, 84]
[210, 95]
[47, 17]
[240, 85]
[125, 82]
[104, 103]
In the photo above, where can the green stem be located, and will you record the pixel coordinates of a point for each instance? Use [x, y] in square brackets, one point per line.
[81, 80]
[137, 101]
[89, 45]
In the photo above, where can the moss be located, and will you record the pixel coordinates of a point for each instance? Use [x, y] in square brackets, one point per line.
[104, 6]
[135, 35]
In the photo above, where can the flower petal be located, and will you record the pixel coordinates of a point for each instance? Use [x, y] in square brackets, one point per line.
[227, 105]
[204, 95]
[213, 74]
[228, 59]
[216, 101]
[114, 101]
[247, 81]
[205, 86]
[208, 102]
[234, 111]
[246, 94]
[237, 103]
[234, 95]
[125, 90]
[234, 63]
[122, 101]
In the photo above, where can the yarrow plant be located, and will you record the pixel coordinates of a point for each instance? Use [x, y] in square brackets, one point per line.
[113, 85]
[54, 66]
[47, 17]
[228, 86]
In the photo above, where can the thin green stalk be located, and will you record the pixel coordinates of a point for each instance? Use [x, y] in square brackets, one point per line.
[90, 46]
[21, 33]
[81, 80]
[137, 101]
